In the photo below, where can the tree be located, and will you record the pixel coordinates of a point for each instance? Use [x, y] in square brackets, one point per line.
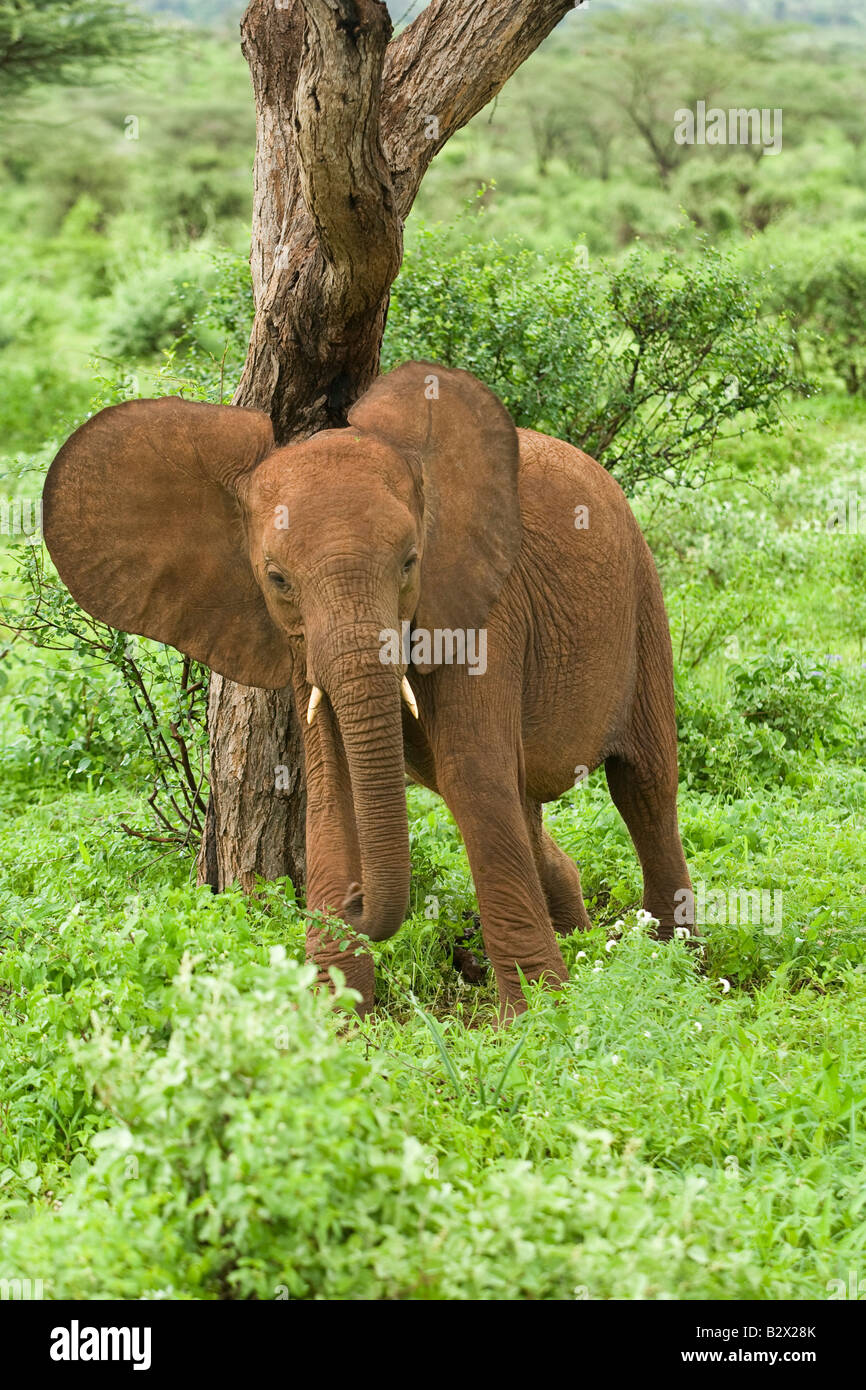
[61, 41]
[665, 57]
[347, 124]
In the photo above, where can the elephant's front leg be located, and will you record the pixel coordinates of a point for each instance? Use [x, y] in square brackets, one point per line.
[333, 856]
[483, 794]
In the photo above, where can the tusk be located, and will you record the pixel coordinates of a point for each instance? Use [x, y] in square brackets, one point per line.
[406, 692]
[315, 701]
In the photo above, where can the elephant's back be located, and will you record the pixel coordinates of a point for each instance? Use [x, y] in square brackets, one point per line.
[573, 504]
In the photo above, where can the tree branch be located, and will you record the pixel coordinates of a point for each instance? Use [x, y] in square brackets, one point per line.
[271, 41]
[445, 67]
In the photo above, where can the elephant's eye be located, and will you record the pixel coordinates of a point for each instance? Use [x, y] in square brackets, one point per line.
[409, 563]
[278, 579]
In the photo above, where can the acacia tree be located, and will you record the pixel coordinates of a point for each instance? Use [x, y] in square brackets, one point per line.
[348, 121]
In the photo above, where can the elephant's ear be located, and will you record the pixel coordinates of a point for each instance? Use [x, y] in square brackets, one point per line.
[143, 519]
[467, 447]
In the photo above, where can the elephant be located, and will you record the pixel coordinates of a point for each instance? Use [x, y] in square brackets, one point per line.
[428, 515]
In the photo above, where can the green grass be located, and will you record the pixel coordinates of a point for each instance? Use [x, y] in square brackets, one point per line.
[649, 1132]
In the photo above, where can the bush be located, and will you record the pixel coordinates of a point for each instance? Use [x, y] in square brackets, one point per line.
[796, 696]
[255, 1154]
[826, 299]
[106, 702]
[819, 281]
[719, 752]
[153, 308]
[219, 331]
[781, 705]
[646, 367]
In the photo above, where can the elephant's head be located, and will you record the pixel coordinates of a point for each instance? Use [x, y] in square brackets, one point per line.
[182, 522]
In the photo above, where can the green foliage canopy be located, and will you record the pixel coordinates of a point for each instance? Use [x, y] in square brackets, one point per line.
[645, 366]
[61, 41]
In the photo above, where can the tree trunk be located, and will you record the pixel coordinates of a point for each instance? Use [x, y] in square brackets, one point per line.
[346, 126]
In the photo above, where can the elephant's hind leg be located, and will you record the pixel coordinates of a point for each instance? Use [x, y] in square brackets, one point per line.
[642, 778]
[649, 809]
[560, 877]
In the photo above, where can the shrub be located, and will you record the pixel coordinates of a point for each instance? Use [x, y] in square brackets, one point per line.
[220, 328]
[153, 307]
[781, 705]
[149, 709]
[826, 298]
[720, 752]
[645, 367]
[796, 696]
[819, 280]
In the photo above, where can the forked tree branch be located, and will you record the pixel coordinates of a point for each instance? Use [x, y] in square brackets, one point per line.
[347, 125]
[441, 71]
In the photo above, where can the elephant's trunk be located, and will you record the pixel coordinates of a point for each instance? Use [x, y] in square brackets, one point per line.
[365, 697]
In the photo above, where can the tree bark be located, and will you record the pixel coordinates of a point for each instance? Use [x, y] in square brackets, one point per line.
[346, 126]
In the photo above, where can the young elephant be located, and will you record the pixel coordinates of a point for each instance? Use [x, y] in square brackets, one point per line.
[308, 564]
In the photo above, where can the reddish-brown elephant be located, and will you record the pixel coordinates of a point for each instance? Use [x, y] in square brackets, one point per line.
[494, 576]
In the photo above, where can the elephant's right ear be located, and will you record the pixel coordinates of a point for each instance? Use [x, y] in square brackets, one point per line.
[143, 519]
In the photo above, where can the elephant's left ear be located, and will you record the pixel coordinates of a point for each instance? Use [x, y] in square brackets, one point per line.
[466, 444]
